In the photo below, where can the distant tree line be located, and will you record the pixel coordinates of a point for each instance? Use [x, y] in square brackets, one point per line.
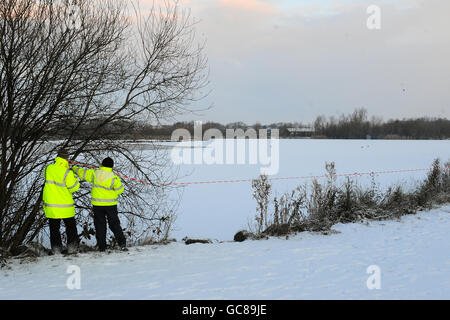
[356, 125]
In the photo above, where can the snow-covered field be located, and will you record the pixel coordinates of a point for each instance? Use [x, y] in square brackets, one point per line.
[412, 256]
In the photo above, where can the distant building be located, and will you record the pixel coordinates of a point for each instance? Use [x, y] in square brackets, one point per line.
[301, 132]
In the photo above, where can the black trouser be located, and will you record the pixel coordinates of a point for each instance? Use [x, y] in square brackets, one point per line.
[110, 213]
[71, 232]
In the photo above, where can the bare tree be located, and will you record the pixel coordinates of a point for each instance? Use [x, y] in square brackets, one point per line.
[72, 72]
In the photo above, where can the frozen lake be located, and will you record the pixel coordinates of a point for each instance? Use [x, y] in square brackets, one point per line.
[217, 211]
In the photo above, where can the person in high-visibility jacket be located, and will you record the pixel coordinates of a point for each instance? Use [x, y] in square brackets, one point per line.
[106, 188]
[58, 203]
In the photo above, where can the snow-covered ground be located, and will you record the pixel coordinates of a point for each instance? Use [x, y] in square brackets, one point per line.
[413, 257]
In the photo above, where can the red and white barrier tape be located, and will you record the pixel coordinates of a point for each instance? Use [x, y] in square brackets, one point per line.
[300, 177]
[250, 180]
[119, 175]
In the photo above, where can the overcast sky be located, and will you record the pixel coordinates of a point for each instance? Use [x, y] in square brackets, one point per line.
[286, 60]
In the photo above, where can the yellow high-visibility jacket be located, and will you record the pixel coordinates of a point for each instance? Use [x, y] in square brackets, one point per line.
[106, 185]
[60, 183]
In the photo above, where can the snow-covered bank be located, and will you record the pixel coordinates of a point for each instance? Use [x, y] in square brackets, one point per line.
[413, 255]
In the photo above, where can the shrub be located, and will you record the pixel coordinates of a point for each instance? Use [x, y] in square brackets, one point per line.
[327, 204]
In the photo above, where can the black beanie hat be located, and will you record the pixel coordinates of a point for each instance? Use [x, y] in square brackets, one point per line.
[108, 162]
[63, 153]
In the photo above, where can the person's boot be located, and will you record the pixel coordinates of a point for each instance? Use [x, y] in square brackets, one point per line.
[123, 246]
[72, 248]
[56, 250]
